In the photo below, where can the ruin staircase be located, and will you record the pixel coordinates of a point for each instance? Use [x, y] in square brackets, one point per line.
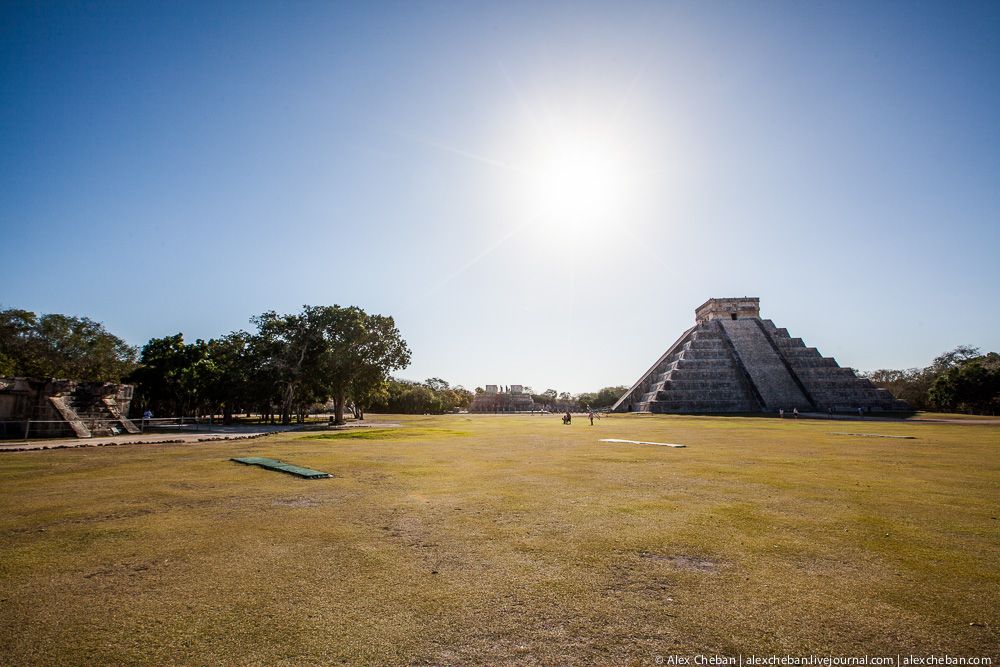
[69, 415]
[87, 416]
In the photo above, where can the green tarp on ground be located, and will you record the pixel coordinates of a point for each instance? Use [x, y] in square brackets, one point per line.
[271, 464]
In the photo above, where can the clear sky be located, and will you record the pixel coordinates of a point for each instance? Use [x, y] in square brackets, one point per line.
[540, 193]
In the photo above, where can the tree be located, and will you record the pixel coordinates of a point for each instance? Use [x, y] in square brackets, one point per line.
[602, 399]
[292, 347]
[436, 384]
[63, 346]
[463, 397]
[913, 385]
[173, 376]
[954, 358]
[971, 384]
[360, 352]
[230, 384]
[366, 392]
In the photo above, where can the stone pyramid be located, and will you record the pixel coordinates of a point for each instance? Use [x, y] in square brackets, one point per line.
[733, 361]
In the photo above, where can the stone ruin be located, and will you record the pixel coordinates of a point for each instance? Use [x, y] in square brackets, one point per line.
[731, 360]
[50, 408]
[497, 398]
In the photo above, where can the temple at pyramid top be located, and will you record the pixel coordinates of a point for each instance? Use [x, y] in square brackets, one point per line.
[730, 309]
[733, 361]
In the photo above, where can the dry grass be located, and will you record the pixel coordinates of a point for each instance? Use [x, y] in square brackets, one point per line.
[507, 540]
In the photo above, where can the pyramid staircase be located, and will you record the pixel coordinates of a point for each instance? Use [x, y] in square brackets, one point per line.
[699, 373]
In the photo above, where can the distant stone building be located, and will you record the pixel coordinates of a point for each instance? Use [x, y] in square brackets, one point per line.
[42, 408]
[733, 361]
[502, 399]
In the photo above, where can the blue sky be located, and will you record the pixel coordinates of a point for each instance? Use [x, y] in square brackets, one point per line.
[182, 166]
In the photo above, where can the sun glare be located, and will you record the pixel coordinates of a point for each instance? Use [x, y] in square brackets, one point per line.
[577, 181]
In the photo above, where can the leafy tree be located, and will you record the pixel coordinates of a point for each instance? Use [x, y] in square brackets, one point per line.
[172, 376]
[292, 347]
[404, 396]
[230, 385]
[954, 358]
[360, 351]
[61, 346]
[436, 384]
[970, 384]
[602, 399]
[913, 385]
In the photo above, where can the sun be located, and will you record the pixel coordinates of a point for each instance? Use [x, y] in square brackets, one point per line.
[577, 180]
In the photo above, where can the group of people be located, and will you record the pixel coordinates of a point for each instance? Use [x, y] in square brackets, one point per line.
[568, 418]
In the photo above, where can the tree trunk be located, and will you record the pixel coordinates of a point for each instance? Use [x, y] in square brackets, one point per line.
[339, 409]
[286, 404]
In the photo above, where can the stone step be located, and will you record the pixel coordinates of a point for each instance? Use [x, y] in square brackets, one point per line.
[704, 364]
[684, 383]
[701, 406]
[704, 355]
[696, 395]
[702, 373]
[707, 344]
[793, 354]
[805, 364]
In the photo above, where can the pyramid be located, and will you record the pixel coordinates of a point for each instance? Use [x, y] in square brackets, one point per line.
[733, 361]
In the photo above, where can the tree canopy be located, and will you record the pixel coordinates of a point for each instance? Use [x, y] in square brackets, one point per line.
[960, 379]
[289, 363]
[971, 384]
[61, 346]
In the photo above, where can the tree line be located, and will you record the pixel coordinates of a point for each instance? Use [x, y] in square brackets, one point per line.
[962, 380]
[283, 367]
[433, 396]
[556, 401]
[61, 346]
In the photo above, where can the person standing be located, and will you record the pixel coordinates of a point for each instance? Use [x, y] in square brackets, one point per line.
[590, 414]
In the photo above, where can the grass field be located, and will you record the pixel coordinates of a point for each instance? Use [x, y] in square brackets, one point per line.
[507, 540]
